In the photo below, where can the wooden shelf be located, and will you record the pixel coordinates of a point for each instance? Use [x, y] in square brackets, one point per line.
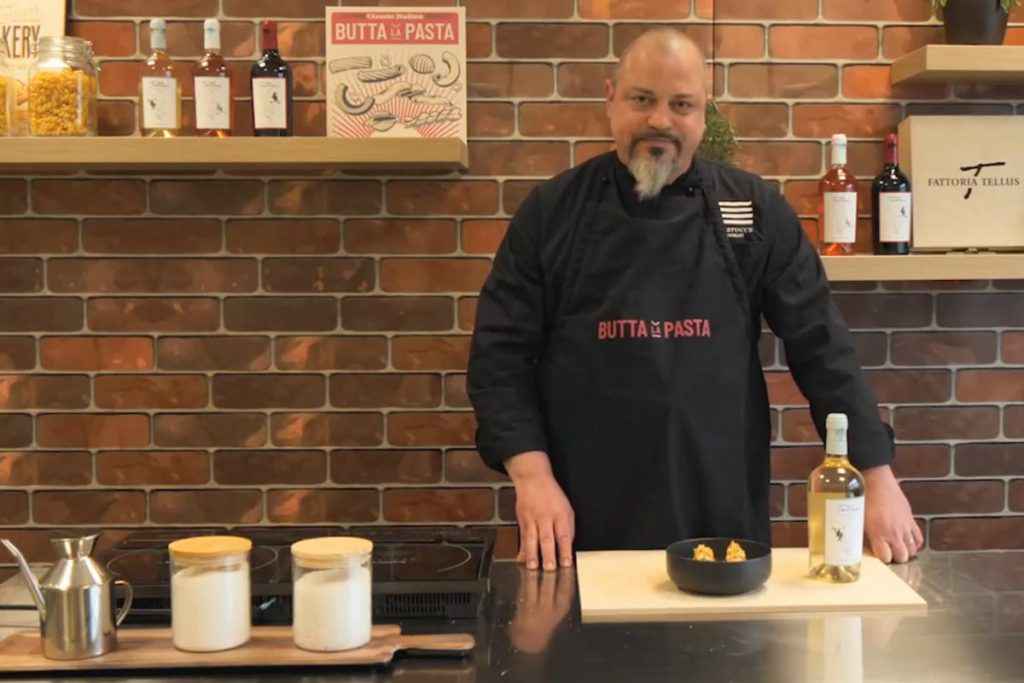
[241, 153]
[974, 63]
[957, 266]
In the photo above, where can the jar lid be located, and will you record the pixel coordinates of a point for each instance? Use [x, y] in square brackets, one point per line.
[209, 547]
[329, 548]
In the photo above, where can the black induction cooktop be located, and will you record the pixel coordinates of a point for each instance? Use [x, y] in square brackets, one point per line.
[429, 572]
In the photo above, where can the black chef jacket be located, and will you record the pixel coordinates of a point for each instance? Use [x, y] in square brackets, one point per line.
[692, 475]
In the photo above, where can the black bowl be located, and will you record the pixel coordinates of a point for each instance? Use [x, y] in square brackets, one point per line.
[718, 577]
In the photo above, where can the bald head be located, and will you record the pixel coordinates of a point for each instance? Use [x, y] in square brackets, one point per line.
[662, 41]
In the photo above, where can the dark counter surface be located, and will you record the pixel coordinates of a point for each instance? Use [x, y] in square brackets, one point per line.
[530, 630]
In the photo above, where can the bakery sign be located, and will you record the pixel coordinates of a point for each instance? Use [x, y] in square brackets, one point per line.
[967, 174]
[396, 72]
[22, 24]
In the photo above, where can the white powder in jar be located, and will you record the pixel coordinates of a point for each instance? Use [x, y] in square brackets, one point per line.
[210, 607]
[332, 608]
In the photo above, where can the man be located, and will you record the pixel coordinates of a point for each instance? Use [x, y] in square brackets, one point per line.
[614, 367]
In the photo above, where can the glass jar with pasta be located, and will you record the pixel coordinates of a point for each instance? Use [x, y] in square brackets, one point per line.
[6, 94]
[62, 88]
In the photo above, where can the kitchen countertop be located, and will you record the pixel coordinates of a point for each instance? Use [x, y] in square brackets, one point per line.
[530, 631]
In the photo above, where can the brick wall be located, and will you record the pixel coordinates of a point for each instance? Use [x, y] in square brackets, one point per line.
[216, 349]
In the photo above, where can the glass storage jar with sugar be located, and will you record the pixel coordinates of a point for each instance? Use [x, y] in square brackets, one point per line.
[62, 88]
[331, 593]
[210, 592]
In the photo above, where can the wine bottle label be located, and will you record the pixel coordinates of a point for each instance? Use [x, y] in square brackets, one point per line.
[841, 217]
[269, 104]
[159, 103]
[894, 216]
[844, 530]
[213, 103]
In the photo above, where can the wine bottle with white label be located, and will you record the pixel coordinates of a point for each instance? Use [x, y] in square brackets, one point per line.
[835, 510]
[212, 86]
[837, 209]
[890, 205]
[271, 89]
[160, 88]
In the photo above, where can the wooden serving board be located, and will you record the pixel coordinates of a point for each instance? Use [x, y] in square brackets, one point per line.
[633, 585]
[144, 648]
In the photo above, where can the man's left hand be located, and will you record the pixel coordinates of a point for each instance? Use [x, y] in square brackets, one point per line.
[889, 524]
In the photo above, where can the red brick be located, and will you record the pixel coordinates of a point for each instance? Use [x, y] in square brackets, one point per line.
[980, 310]
[434, 275]
[80, 430]
[439, 505]
[15, 430]
[899, 40]
[214, 353]
[583, 79]
[312, 506]
[152, 275]
[1013, 421]
[318, 275]
[206, 507]
[67, 392]
[467, 467]
[1013, 347]
[249, 392]
[108, 38]
[152, 468]
[563, 119]
[206, 196]
[490, 119]
[241, 468]
[510, 80]
[156, 8]
[280, 236]
[185, 39]
[310, 119]
[431, 429]
[17, 353]
[780, 158]
[121, 392]
[585, 151]
[13, 196]
[921, 460]
[757, 120]
[514, 192]
[1015, 495]
[977, 533]
[898, 10]
[421, 352]
[956, 109]
[301, 39]
[115, 118]
[479, 40]
[947, 423]
[855, 120]
[523, 9]
[419, 197]
[89, 507]
[331, 353]
[766, 9]
[482, 236]
[411, 313]
[353, 430]
[46, 468]
[386, 467]
[455, 394]
[823, 42]
[313, 9]
[518, 158]
[210, 430]
[153, 315]
[390, 236]
[151, 235]
[989, 459]
[910, 386]
[985, 386]
[51, 196]
[943, 348]
[34, 236]
[281, 313]
[633, 9]
[467, 312]
[385, 390]
[549, 40]
[885, 310]
[789, 534]
[871, 82]
[21, 275]
[334, 197]
[935, 497]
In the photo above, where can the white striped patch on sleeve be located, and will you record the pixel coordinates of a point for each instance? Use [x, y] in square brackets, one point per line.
[738, 218]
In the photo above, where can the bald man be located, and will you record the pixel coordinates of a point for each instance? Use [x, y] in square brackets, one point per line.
[614, 367]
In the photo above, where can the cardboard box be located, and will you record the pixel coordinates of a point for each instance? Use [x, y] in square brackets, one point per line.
[396, 72]
[967, 178]
[22, 23]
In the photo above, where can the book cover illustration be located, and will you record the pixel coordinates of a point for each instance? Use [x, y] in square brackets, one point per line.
[396, 72]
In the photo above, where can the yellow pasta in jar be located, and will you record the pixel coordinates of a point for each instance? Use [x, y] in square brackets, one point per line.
[703, 553]
[735, 552]
[4, 123]
[62, 102]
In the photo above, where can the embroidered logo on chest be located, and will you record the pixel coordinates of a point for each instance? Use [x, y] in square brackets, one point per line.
[738, 218]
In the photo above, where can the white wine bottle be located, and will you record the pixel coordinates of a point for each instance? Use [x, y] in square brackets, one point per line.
[835, 510]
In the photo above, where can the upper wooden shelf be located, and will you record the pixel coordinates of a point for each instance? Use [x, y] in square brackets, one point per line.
[241, 153]
[948, 63]
[955, 266]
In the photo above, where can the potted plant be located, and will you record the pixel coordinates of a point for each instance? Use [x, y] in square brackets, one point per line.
[975, 22]
[719, 143]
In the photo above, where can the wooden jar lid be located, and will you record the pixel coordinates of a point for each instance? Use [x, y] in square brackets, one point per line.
[209, 547]
[330, 549]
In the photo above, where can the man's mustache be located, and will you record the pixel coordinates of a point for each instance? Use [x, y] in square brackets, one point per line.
[662, 137]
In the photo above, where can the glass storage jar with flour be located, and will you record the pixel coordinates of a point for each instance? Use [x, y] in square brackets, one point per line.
[332, 593]
[210, 593]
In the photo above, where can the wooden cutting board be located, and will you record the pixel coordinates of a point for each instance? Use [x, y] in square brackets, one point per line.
[145, 648]
[633, 585]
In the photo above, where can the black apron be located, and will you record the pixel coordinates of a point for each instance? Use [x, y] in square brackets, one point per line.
[646, 381]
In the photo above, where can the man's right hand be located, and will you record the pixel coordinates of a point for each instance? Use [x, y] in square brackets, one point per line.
[546, 521]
